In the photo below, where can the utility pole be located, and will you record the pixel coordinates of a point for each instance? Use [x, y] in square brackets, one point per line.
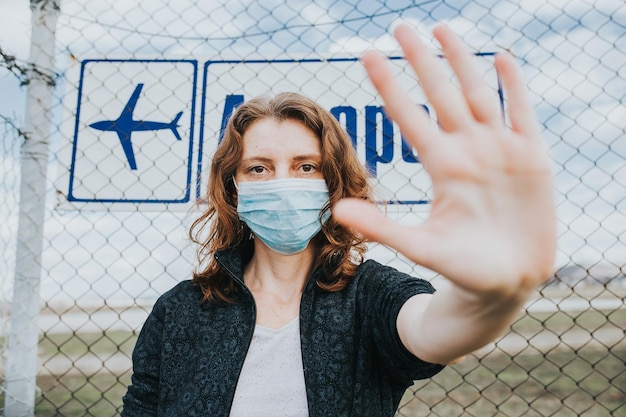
[21, 373]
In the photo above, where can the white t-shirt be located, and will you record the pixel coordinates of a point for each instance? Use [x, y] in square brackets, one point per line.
[271, 383]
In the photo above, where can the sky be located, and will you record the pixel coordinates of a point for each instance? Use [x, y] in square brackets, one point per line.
[572, 55]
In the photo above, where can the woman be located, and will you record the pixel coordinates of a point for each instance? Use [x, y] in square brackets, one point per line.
[283, 317]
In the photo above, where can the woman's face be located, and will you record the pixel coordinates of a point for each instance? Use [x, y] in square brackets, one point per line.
[279, 149]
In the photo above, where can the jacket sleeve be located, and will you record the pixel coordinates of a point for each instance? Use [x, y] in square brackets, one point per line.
[142, 397]
[388, 290]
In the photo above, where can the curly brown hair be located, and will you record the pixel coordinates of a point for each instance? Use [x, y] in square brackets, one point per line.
[338, 249]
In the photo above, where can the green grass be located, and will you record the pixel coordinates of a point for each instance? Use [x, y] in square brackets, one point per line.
[589, 381]
[79, 344]
[81, 395]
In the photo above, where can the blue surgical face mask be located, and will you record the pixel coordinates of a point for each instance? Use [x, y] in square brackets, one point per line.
[284, 213]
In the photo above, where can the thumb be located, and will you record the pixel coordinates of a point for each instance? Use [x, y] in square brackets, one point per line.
[366, 219]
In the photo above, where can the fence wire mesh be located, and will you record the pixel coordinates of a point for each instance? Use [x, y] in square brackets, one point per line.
[108, 252]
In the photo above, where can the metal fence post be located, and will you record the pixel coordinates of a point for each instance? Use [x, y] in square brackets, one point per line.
[22, 350]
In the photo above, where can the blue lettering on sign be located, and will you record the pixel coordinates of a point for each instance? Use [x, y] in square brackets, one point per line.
[230, 104]
[375, 152]
[349, 116]
[372, 157]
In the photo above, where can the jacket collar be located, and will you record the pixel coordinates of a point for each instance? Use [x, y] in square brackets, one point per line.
[232, 260]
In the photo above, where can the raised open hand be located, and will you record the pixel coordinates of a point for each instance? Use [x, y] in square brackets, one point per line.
[492, 222]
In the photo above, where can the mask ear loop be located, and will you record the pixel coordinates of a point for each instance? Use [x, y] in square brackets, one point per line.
[235, 182]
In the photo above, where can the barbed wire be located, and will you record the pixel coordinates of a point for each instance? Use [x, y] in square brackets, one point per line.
[10, 62]
[25, 72]
[44, 3]
[11, 123]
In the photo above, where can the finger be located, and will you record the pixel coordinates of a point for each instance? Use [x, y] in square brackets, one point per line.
[414, 123]
[366, 219]
[481, 100]
[520, 110]
[450, 106]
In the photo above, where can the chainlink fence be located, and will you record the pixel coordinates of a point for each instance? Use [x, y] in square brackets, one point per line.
[119, 198]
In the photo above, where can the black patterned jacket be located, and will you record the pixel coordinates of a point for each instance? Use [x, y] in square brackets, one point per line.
[189, 354]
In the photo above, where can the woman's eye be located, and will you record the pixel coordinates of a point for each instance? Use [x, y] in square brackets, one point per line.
[308, 168]
[257, 169]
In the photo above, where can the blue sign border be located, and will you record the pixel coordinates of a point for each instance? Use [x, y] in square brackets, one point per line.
[186, 198]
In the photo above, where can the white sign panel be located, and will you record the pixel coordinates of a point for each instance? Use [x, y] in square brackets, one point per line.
[132, 134]
[342, 87]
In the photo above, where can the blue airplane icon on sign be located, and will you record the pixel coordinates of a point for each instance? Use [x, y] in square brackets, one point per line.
[124, 126]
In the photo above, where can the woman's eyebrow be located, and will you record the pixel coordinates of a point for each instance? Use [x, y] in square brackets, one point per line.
[304, 157]
[313, 156]
[256, 159]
